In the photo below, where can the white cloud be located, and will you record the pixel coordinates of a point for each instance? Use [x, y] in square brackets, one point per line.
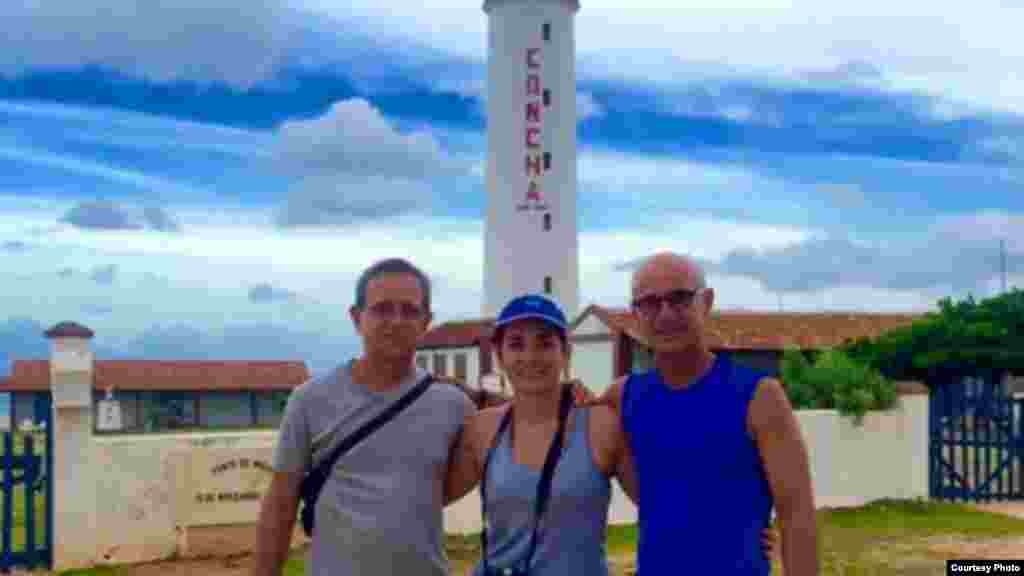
[210, 272]
[108, 215]
[963, 51]
[236, 42]
[354, 165]
[353, 137]
[650, 186]
[959, 254]
[987, 227]
[140, 180]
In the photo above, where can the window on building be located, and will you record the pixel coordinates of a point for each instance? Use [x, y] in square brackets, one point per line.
[270, 407]
[225, 410]
[440, 365]
[460, 366]
[547, 160]
[547, 97]
[164, 411]
[547, 221]
[23, 407]
[545, 30]
[547, 285]
[421, 362]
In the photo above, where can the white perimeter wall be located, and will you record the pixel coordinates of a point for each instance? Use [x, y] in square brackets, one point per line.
[143, 482]
[886, 457]
[145, 486]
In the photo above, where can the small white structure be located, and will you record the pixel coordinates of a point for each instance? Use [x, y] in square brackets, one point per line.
[530, 243]
[109, 413]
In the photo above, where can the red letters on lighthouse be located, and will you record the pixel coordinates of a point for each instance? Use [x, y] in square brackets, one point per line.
[534, 151]
[533, 165]
[533, 112]
[533, 85]
[532, 137]
[533, 192]
[531, 58]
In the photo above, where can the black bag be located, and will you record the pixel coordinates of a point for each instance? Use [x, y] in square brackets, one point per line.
[314, 481]
[543, 487]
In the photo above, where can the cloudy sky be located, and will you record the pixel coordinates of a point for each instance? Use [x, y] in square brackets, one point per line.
[206, 181]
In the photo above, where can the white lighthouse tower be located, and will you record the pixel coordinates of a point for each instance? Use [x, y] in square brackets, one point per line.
[530, 242]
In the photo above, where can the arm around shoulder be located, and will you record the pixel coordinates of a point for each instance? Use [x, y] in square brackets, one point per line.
[612, 396]
[614, 447]
[463, 472]
[786, 463]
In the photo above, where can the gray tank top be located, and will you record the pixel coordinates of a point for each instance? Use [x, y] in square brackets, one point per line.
[571, 536]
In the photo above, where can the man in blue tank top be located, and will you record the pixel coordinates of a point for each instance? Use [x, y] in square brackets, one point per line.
[716, 445]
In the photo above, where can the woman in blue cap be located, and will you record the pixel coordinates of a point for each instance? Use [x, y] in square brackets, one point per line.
[547, 465]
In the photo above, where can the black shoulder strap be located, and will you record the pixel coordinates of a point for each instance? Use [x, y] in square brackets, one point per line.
[314, 481]
[546, 476]
[370, 427]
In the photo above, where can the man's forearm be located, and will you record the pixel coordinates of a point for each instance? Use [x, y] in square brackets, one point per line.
[799, 540]
[273, 539]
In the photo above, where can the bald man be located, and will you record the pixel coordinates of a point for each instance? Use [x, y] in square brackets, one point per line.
[716, 445]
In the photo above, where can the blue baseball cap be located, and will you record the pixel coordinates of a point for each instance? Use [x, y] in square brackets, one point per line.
[533, 306]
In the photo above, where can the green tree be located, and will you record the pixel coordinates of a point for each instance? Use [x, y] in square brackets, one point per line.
[836, 381]
[960, 339]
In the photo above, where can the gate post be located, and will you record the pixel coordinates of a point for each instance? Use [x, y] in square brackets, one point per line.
[73, 476]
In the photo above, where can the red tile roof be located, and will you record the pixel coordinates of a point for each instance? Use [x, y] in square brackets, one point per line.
[774, 330]
[730, 330]
[460, 334]
[31, 375]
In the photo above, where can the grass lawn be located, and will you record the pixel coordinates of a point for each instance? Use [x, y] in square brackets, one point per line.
[885, 537]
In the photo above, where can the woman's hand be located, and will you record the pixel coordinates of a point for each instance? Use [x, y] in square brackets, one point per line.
[770, 542]
[582, 396]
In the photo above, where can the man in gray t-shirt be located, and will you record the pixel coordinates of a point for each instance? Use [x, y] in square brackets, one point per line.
[380, 511]
[381, 508]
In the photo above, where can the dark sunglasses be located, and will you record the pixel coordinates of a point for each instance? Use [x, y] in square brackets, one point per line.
[652, 304]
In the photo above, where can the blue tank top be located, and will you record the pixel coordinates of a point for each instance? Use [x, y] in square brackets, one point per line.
[572, 534]
[704, 496]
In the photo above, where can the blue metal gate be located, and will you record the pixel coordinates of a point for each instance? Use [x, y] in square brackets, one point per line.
[976, 444]
[26, 502]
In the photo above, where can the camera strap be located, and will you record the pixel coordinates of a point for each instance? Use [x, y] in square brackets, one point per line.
[546, 477]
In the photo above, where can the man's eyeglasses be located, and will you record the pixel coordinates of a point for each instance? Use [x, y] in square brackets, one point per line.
[652, 304]
[391, 310]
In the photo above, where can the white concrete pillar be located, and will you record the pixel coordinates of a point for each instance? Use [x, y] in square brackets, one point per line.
[916, 407]
[74, 480]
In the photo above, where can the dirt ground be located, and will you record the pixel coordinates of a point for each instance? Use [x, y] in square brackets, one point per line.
[997, 549]
[230, 566]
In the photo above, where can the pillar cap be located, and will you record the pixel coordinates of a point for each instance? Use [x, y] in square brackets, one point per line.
[69, 330]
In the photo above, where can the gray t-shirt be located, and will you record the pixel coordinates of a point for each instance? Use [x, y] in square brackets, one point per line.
[380, 511]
